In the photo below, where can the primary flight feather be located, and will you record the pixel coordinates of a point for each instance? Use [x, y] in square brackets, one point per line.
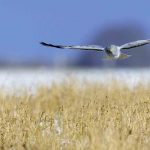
[88, 47]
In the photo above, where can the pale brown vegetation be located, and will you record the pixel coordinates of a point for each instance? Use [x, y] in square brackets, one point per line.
[77, 116]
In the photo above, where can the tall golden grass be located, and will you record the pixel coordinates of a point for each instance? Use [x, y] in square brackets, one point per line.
[74, 116]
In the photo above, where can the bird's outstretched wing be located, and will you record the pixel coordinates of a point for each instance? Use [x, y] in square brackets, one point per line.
[135, 44]
[88, 47]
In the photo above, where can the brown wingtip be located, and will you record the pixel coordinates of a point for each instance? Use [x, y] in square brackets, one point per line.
[51, 45]
[43, 43]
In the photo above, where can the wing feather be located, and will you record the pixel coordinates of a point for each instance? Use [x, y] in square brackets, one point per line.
[88, 47]
[135, 44]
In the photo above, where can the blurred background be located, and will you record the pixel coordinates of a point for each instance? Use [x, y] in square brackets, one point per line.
[24, 24]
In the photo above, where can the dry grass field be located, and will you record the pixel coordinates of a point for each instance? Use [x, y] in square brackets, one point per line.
[72, 116]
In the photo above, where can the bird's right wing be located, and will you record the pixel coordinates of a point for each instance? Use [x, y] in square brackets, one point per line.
[135, 44]
[88, 47]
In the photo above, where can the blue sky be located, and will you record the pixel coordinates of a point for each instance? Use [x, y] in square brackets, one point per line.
[25, 23]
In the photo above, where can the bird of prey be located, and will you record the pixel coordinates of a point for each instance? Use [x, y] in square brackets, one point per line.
[113, 52]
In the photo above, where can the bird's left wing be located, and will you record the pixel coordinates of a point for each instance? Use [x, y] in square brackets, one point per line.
[88, 47]
[135, 44]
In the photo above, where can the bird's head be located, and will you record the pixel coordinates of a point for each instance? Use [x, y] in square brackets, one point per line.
[107, 49]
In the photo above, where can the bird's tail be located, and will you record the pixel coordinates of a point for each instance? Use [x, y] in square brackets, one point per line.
[124, 56]
[107, 58]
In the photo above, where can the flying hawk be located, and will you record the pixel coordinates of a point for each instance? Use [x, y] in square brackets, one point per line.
[112, 52]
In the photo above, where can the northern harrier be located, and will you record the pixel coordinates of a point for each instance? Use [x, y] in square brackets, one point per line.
[112, 52]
